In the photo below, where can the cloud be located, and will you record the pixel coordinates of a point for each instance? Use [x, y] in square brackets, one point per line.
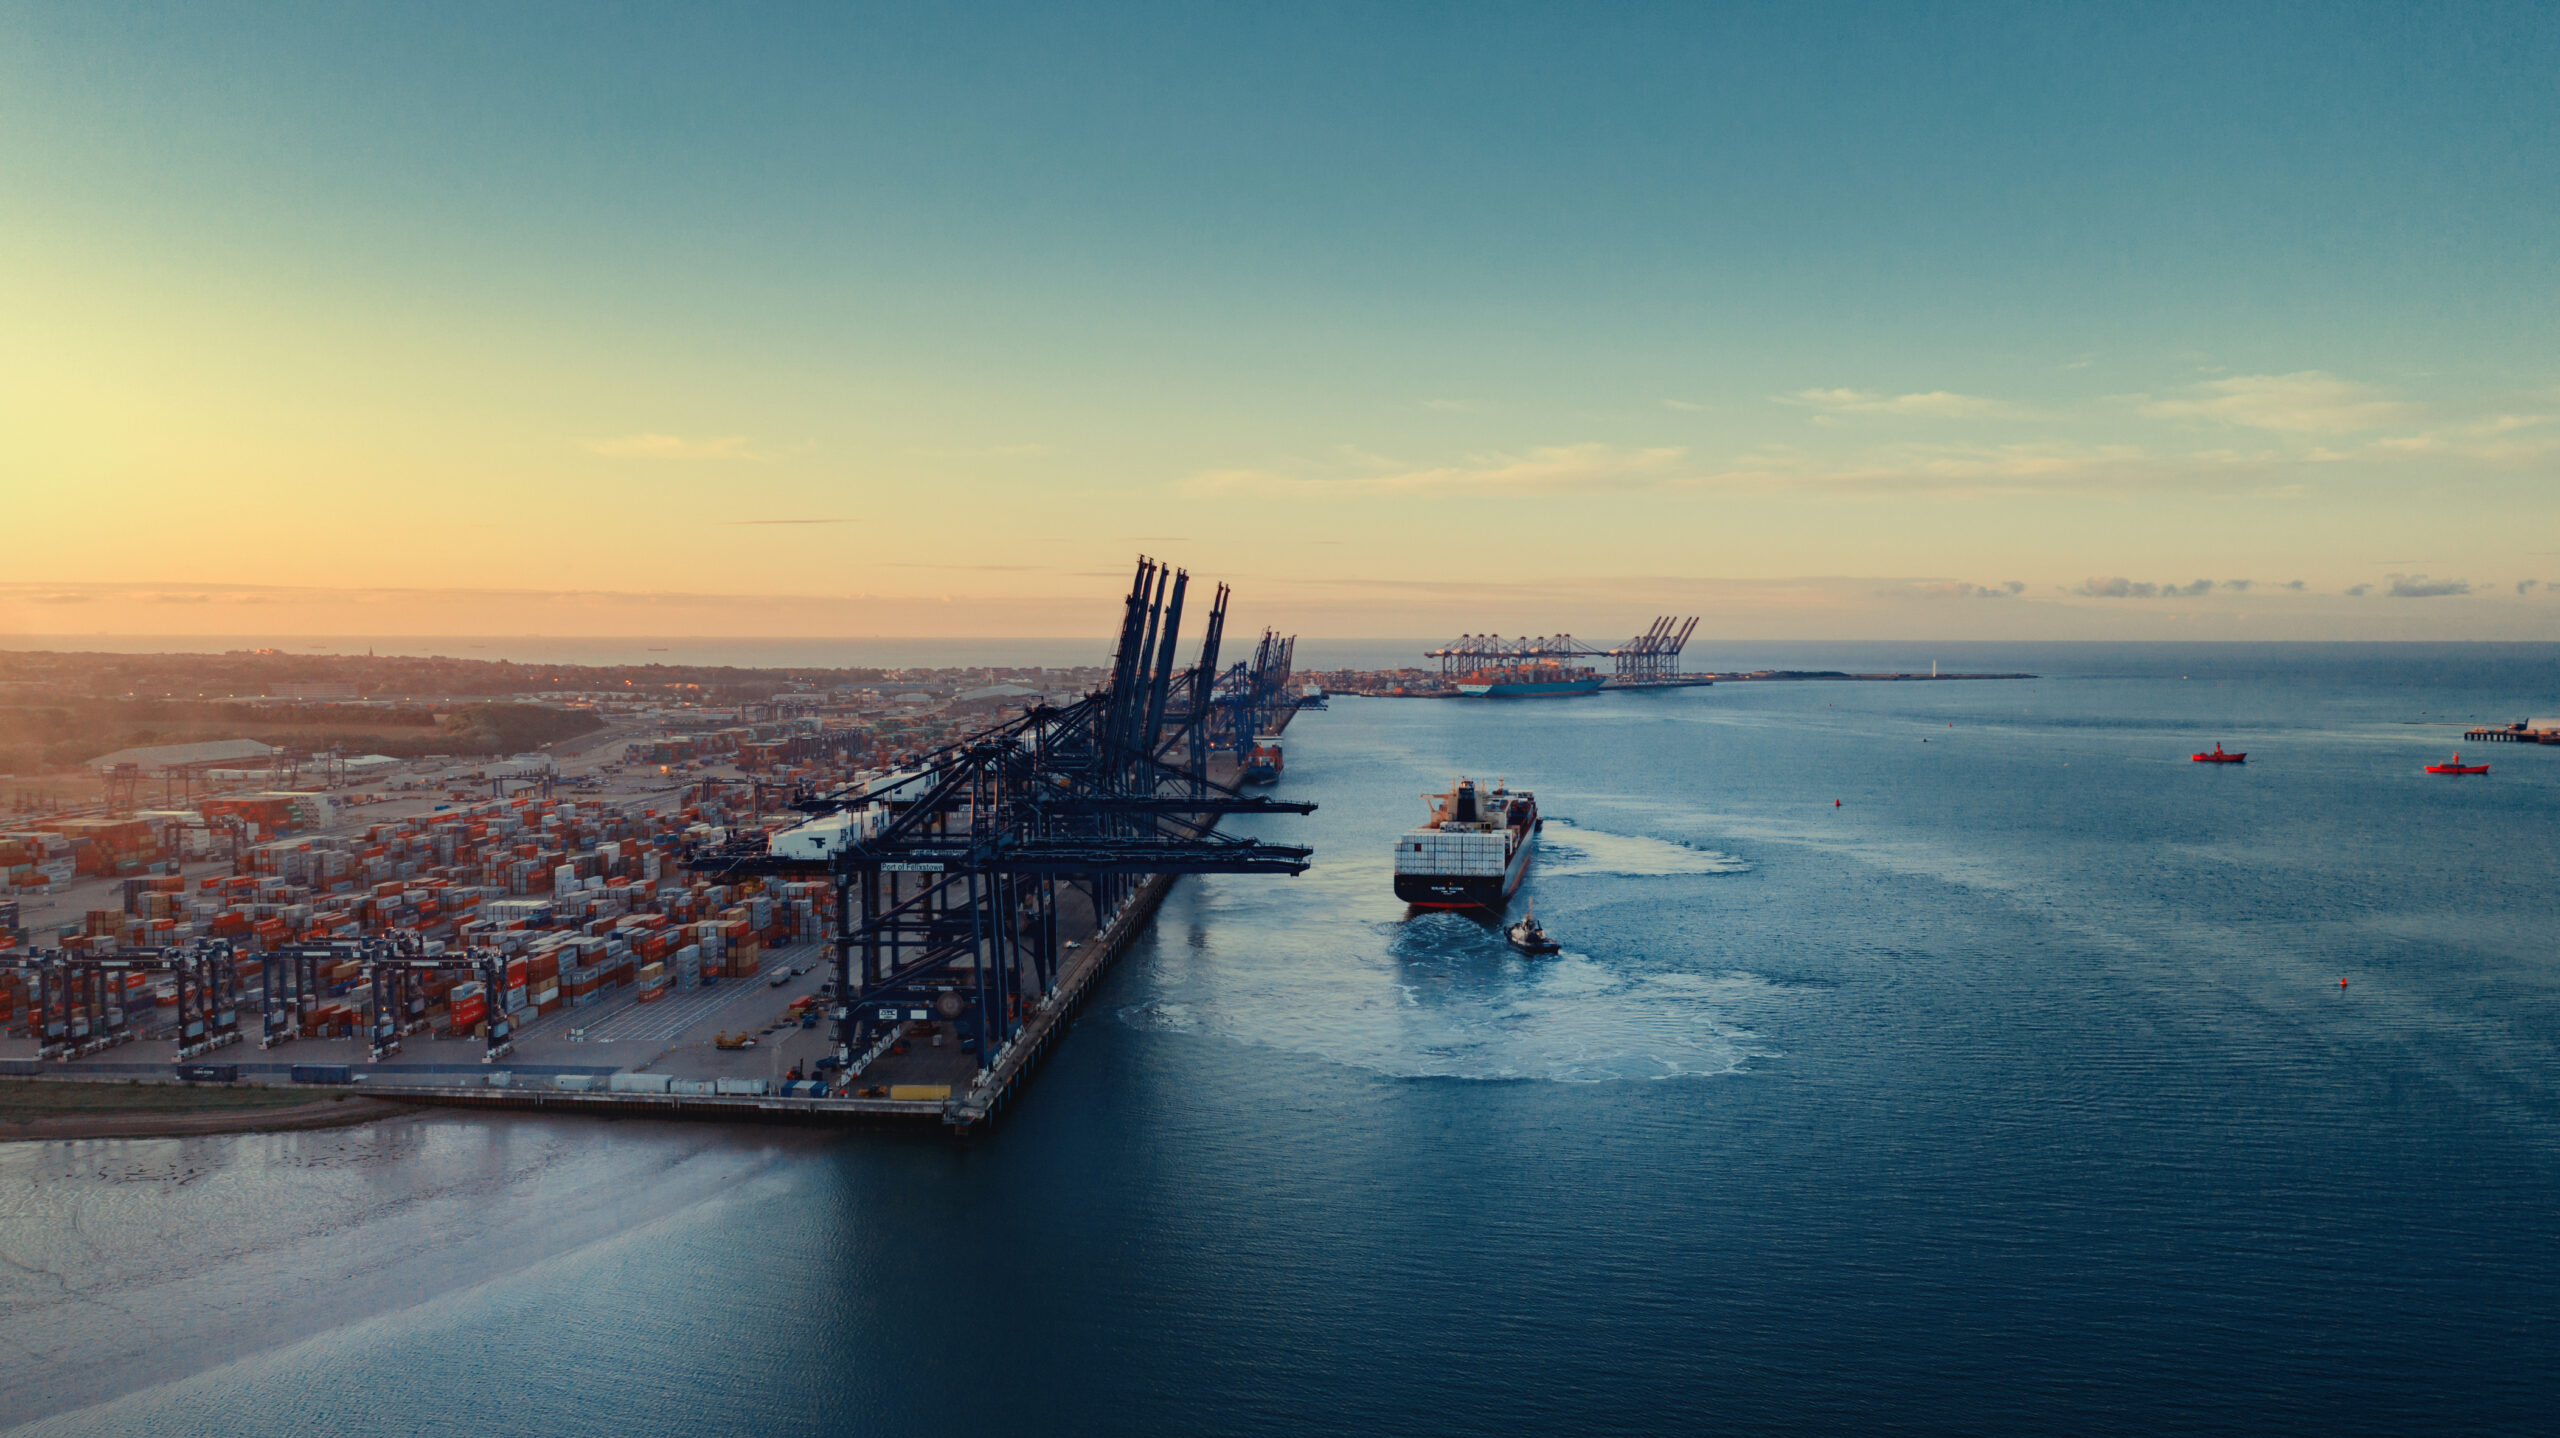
[129, 592]
[1682, 405]
[992, 451]
[1959, 470]
[2418, 586]
[668, 446]
[2306, 402]
[1969, 471]
[2358, 591]
[1449, 404]
[2294, 584]
[733, 522]
[2527, 586]
[2240, 585]
[2120, 587]
[1549, 469]
[1935, 404]
[1958, 589]
[2495, 439]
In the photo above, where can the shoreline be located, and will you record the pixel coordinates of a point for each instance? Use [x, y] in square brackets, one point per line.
[322, 1113]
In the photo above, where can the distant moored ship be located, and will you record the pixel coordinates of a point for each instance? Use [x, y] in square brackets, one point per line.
[1530, 681]
[1262, 762]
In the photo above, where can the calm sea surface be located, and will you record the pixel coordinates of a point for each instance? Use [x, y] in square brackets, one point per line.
[2018, 1092]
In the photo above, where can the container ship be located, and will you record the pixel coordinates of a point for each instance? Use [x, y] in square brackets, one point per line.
[1530, 681]
[1473, 851]
[1262, 762]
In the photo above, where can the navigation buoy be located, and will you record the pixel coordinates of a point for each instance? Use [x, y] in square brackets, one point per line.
[1835, 803]
[2342, 983]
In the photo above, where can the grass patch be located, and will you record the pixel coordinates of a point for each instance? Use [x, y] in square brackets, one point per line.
[63, 1098]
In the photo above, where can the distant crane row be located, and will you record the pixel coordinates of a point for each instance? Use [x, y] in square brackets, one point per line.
[1652, 655]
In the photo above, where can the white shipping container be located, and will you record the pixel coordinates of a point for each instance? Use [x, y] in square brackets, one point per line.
[1431, 851]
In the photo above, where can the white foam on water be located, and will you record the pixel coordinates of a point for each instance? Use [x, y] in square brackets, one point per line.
[1567, 849]
[1442, 998]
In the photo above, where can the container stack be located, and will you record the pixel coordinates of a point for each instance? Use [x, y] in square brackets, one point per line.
[584, 898]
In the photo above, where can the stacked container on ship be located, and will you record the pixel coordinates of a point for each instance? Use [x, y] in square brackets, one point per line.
[1473, 851]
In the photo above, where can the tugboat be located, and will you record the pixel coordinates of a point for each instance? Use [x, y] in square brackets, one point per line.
[1473, 851]
[1528, 938]
[2218, 757]
[2455, 765]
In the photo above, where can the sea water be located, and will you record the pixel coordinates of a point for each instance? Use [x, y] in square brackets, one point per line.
[1950, 1057]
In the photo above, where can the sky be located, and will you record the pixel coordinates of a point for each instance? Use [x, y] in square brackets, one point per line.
[1962, 321]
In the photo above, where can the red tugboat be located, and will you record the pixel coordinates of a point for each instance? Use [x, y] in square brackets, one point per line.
[2218, 757]
[2455, 765]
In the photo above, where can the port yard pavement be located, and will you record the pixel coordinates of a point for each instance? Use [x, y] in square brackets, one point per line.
[671, 1035]
[677, 1034]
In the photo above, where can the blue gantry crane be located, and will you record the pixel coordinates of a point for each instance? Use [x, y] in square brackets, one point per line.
[1252, 699]
[956, 881]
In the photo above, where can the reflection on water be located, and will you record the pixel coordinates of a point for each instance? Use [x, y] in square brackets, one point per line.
[126, 1262]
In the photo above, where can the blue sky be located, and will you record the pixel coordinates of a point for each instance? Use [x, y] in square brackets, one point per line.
[1407, 317]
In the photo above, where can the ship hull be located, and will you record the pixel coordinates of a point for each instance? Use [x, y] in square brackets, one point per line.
[1469, 891]
[1262, 764]
[1531, 689]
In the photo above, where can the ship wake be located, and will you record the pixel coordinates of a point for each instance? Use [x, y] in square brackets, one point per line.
[1567, 849]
